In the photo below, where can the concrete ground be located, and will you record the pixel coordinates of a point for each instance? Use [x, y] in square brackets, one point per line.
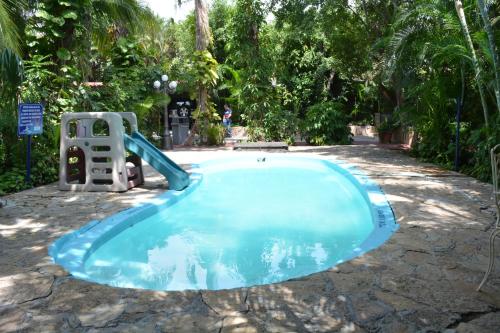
[422, 280]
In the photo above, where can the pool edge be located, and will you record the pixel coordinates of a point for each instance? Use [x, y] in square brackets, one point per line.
[83, 243]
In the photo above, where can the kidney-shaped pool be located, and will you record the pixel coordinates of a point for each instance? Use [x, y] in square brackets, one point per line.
[243, 221]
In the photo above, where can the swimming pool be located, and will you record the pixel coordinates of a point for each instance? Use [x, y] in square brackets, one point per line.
[243, 221]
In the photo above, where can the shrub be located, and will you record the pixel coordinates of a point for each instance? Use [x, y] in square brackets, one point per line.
[478, 148]
[277, 125]
[280, 125]
[44, 170]
[386, 126]
[215, 134]
[326, 124]
[256, 131]
[13, 181]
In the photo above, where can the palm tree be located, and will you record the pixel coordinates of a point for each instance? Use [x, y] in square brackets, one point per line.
[11, 73]
[477, 68]
[113, 19]
[493, 49]
[154, 38]
[101, 15]
[10, 11]
[202, 42]
[74, 27]
[123, 11]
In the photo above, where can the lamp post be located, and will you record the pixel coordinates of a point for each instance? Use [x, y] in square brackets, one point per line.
[168, 87]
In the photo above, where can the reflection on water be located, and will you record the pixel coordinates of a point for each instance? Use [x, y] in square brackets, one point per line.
[179, 263]
[272, 258]
[319, 254]
[240, 228]
[183, 262]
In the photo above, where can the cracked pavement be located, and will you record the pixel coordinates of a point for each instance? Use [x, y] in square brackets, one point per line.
[423, 279]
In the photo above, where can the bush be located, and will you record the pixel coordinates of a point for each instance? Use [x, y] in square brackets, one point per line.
[479, 144]
[256, 132]
[13, 181]
[280, 125]
[215, 134]
[387, 126]
[44, 170]
[326, 124]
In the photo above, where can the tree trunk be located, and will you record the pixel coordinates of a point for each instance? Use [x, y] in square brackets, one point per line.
[475, 62]
[202, 41]
[493, 48]
[202, 27]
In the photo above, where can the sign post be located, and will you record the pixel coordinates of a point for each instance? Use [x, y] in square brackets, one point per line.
[457, 135]
[30, 122]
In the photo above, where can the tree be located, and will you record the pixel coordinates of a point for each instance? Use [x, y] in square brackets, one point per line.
[205, 70]
[249, 55]
[11, 73]
[477, 68]
[10, 19]
[493, 49]
[220, 14]
[202, 42]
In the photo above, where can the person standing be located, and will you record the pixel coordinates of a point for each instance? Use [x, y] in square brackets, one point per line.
[226, 120]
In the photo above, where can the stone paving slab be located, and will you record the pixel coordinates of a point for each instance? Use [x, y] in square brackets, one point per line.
[422, 280]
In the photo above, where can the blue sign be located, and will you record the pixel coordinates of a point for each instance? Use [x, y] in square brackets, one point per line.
[30, 119]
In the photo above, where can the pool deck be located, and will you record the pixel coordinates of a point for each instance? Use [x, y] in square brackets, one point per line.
[423, 279]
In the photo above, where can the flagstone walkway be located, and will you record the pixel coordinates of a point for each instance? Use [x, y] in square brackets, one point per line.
[423, 279]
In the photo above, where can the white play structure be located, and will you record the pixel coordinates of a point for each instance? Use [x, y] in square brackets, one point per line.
[93, 154]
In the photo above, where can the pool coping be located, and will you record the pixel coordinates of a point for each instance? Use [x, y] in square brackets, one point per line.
[87, 239]
[382, 212]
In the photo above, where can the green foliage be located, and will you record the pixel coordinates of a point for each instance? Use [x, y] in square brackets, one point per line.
[11, 25]
[256, 132]
[205, 75]
[11, 74]
[386, 126]
[249, 53]
[318, 64]
[220, 13]
[13, 181]
[63, 55]
[205, 68]
[215, 134]
[477, 150]
[44, 168]
[280, 125]
[326, 124]
[13, 149]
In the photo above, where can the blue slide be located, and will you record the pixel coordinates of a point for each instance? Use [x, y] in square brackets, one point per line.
[178, 179]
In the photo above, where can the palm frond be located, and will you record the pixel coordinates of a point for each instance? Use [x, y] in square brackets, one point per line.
[9, 31]
[451, 52]
[126, 12]
[481, 39]
[11, 71]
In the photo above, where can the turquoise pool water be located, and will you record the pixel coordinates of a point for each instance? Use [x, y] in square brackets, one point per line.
[247, 221]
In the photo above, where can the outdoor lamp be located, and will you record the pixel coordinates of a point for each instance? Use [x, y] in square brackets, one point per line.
[172, 85]
[167, 87]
